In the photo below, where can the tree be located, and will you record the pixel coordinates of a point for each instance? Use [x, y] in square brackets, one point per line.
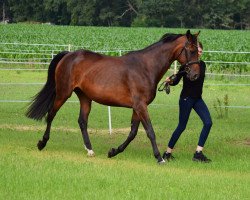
[225, 14]
[21, 10]
[57, 11]
[82, 12]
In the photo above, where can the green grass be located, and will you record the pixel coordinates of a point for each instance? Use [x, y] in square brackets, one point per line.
[63, 171]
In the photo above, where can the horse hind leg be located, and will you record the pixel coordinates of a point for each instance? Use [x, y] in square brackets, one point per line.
[134, 129]
[85, 107]
[51, 114]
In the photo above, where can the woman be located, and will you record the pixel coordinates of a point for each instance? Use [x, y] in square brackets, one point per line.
[191, 98]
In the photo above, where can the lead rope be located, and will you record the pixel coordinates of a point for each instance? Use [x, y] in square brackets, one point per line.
[166, 86]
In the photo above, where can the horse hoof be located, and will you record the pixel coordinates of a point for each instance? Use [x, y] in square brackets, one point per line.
[161, 162]
[111, 152]
[41, 145]
[90, 153]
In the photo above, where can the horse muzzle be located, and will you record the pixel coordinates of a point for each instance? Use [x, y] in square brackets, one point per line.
[191, 71]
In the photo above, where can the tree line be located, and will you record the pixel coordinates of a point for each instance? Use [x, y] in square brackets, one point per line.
[215, 14]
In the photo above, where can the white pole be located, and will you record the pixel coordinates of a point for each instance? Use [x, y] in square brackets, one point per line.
[69, 47]
[175, 67]
[110, 125]
[109, 109]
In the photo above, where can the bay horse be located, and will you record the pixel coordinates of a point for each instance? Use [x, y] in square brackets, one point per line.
[126, 81]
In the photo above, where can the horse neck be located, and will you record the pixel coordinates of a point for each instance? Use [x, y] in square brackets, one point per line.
[159, 59]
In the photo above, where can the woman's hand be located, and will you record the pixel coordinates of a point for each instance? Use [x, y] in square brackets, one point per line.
[169, 80]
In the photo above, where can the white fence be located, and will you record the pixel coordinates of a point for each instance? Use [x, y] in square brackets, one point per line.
[41, 54]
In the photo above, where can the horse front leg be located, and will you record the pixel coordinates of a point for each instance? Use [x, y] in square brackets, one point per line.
[134, 129]
[142, 112]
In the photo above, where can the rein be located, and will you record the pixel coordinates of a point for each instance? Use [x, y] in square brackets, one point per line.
[166, 86]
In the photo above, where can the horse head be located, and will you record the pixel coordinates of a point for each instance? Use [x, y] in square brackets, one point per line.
[188, 55]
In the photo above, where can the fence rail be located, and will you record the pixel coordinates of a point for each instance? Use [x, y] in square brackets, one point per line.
[47, 51]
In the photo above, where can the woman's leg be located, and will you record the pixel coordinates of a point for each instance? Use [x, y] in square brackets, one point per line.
[201, 109]
[185, 107]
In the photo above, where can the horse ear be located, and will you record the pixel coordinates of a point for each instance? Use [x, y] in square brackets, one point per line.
[188, 33]
[189, 36]
[197, 34]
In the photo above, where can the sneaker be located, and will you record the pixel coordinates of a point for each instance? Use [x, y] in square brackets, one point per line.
[200, 157]
[167, 156]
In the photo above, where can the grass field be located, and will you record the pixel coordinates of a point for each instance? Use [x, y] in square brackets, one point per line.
[63, 171]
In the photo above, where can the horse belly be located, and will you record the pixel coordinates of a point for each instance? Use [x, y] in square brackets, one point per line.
[112, 96]
[107, 85]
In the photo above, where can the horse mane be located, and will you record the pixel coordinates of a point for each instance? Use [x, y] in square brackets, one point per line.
[169, 37]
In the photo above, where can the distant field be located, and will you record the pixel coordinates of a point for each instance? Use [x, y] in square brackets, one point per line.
[117, 38]
[63, 171]
[101, 38]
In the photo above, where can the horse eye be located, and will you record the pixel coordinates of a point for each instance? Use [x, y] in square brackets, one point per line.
[194, 51]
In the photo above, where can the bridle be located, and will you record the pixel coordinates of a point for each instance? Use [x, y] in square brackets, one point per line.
[164, 85]
[187, 65]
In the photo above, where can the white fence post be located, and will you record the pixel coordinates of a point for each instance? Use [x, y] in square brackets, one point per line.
[175, 67]
[109, 108]
[110, 124]
[52, 54]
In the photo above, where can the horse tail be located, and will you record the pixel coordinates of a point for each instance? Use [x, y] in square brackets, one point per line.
[43, 101]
